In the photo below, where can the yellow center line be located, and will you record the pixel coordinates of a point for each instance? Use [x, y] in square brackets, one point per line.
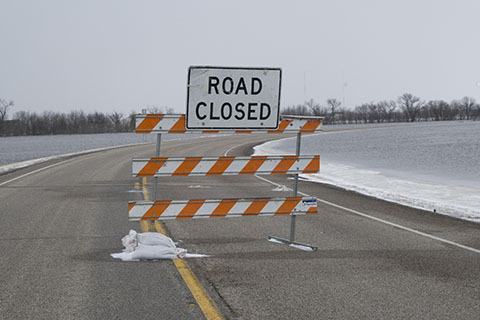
[146, 197]
[204, 301]
[144, 226]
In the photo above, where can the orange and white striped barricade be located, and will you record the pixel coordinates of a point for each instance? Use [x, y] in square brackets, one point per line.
[205, 166]
[216, 166]
[225, 208]
[175, 123]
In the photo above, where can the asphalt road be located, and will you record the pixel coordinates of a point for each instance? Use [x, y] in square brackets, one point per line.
[60, 224]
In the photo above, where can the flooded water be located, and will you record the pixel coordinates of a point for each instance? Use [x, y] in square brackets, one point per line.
[16, 149]
[426, 165]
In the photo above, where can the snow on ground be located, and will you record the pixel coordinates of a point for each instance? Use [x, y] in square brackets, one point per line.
[456, 201]
[282, 188]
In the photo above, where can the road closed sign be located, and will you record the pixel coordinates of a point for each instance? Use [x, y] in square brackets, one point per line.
[233, 98]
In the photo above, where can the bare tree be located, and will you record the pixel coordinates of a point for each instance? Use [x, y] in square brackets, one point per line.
[387, 109]
[315, 108]
[438, 110]
[362, 112]
[116, 118]
[159, 110]
[4, 106]
[467, 105]
[373, 112]
[298, 110]
[476, 112]
[333, 104]
[410, 105]
[351, 116]
[342, 115]
[132, 120]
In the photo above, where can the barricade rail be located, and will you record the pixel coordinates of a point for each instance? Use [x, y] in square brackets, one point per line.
[216, 166]
[175, 123]
[224, 208]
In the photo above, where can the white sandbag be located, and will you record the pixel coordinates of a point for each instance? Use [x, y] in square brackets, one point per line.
[155, 239]
[124, 256]
[145, 252]
[130, 241]
[149, 246]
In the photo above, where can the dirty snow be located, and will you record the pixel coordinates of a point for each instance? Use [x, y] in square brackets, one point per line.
[281, 188]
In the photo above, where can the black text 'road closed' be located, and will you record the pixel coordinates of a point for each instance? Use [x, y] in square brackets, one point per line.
[233, 98]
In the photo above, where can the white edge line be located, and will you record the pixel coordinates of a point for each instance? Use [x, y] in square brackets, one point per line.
[380, 220]
[35, 171]
[29, 163]
[374, 218]
[7, 168]
[32, 162]
[238, 145]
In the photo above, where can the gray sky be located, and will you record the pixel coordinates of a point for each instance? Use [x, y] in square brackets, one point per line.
[123, 55]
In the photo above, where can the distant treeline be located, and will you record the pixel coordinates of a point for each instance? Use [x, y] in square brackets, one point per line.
[47, 123]
[407, 108]
[32, 123]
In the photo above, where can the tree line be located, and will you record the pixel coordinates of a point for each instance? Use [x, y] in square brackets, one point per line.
[407, 108]
[47, 123]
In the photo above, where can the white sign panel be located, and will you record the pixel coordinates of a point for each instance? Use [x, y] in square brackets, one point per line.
[233, 98]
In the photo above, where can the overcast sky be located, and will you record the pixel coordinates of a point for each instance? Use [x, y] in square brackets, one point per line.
[125, 55]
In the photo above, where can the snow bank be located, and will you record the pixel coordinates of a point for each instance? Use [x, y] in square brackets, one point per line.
[457, 201]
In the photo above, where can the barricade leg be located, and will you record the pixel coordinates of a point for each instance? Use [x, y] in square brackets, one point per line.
[291, 241]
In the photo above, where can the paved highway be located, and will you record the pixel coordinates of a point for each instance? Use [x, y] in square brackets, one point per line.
[375, 259]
